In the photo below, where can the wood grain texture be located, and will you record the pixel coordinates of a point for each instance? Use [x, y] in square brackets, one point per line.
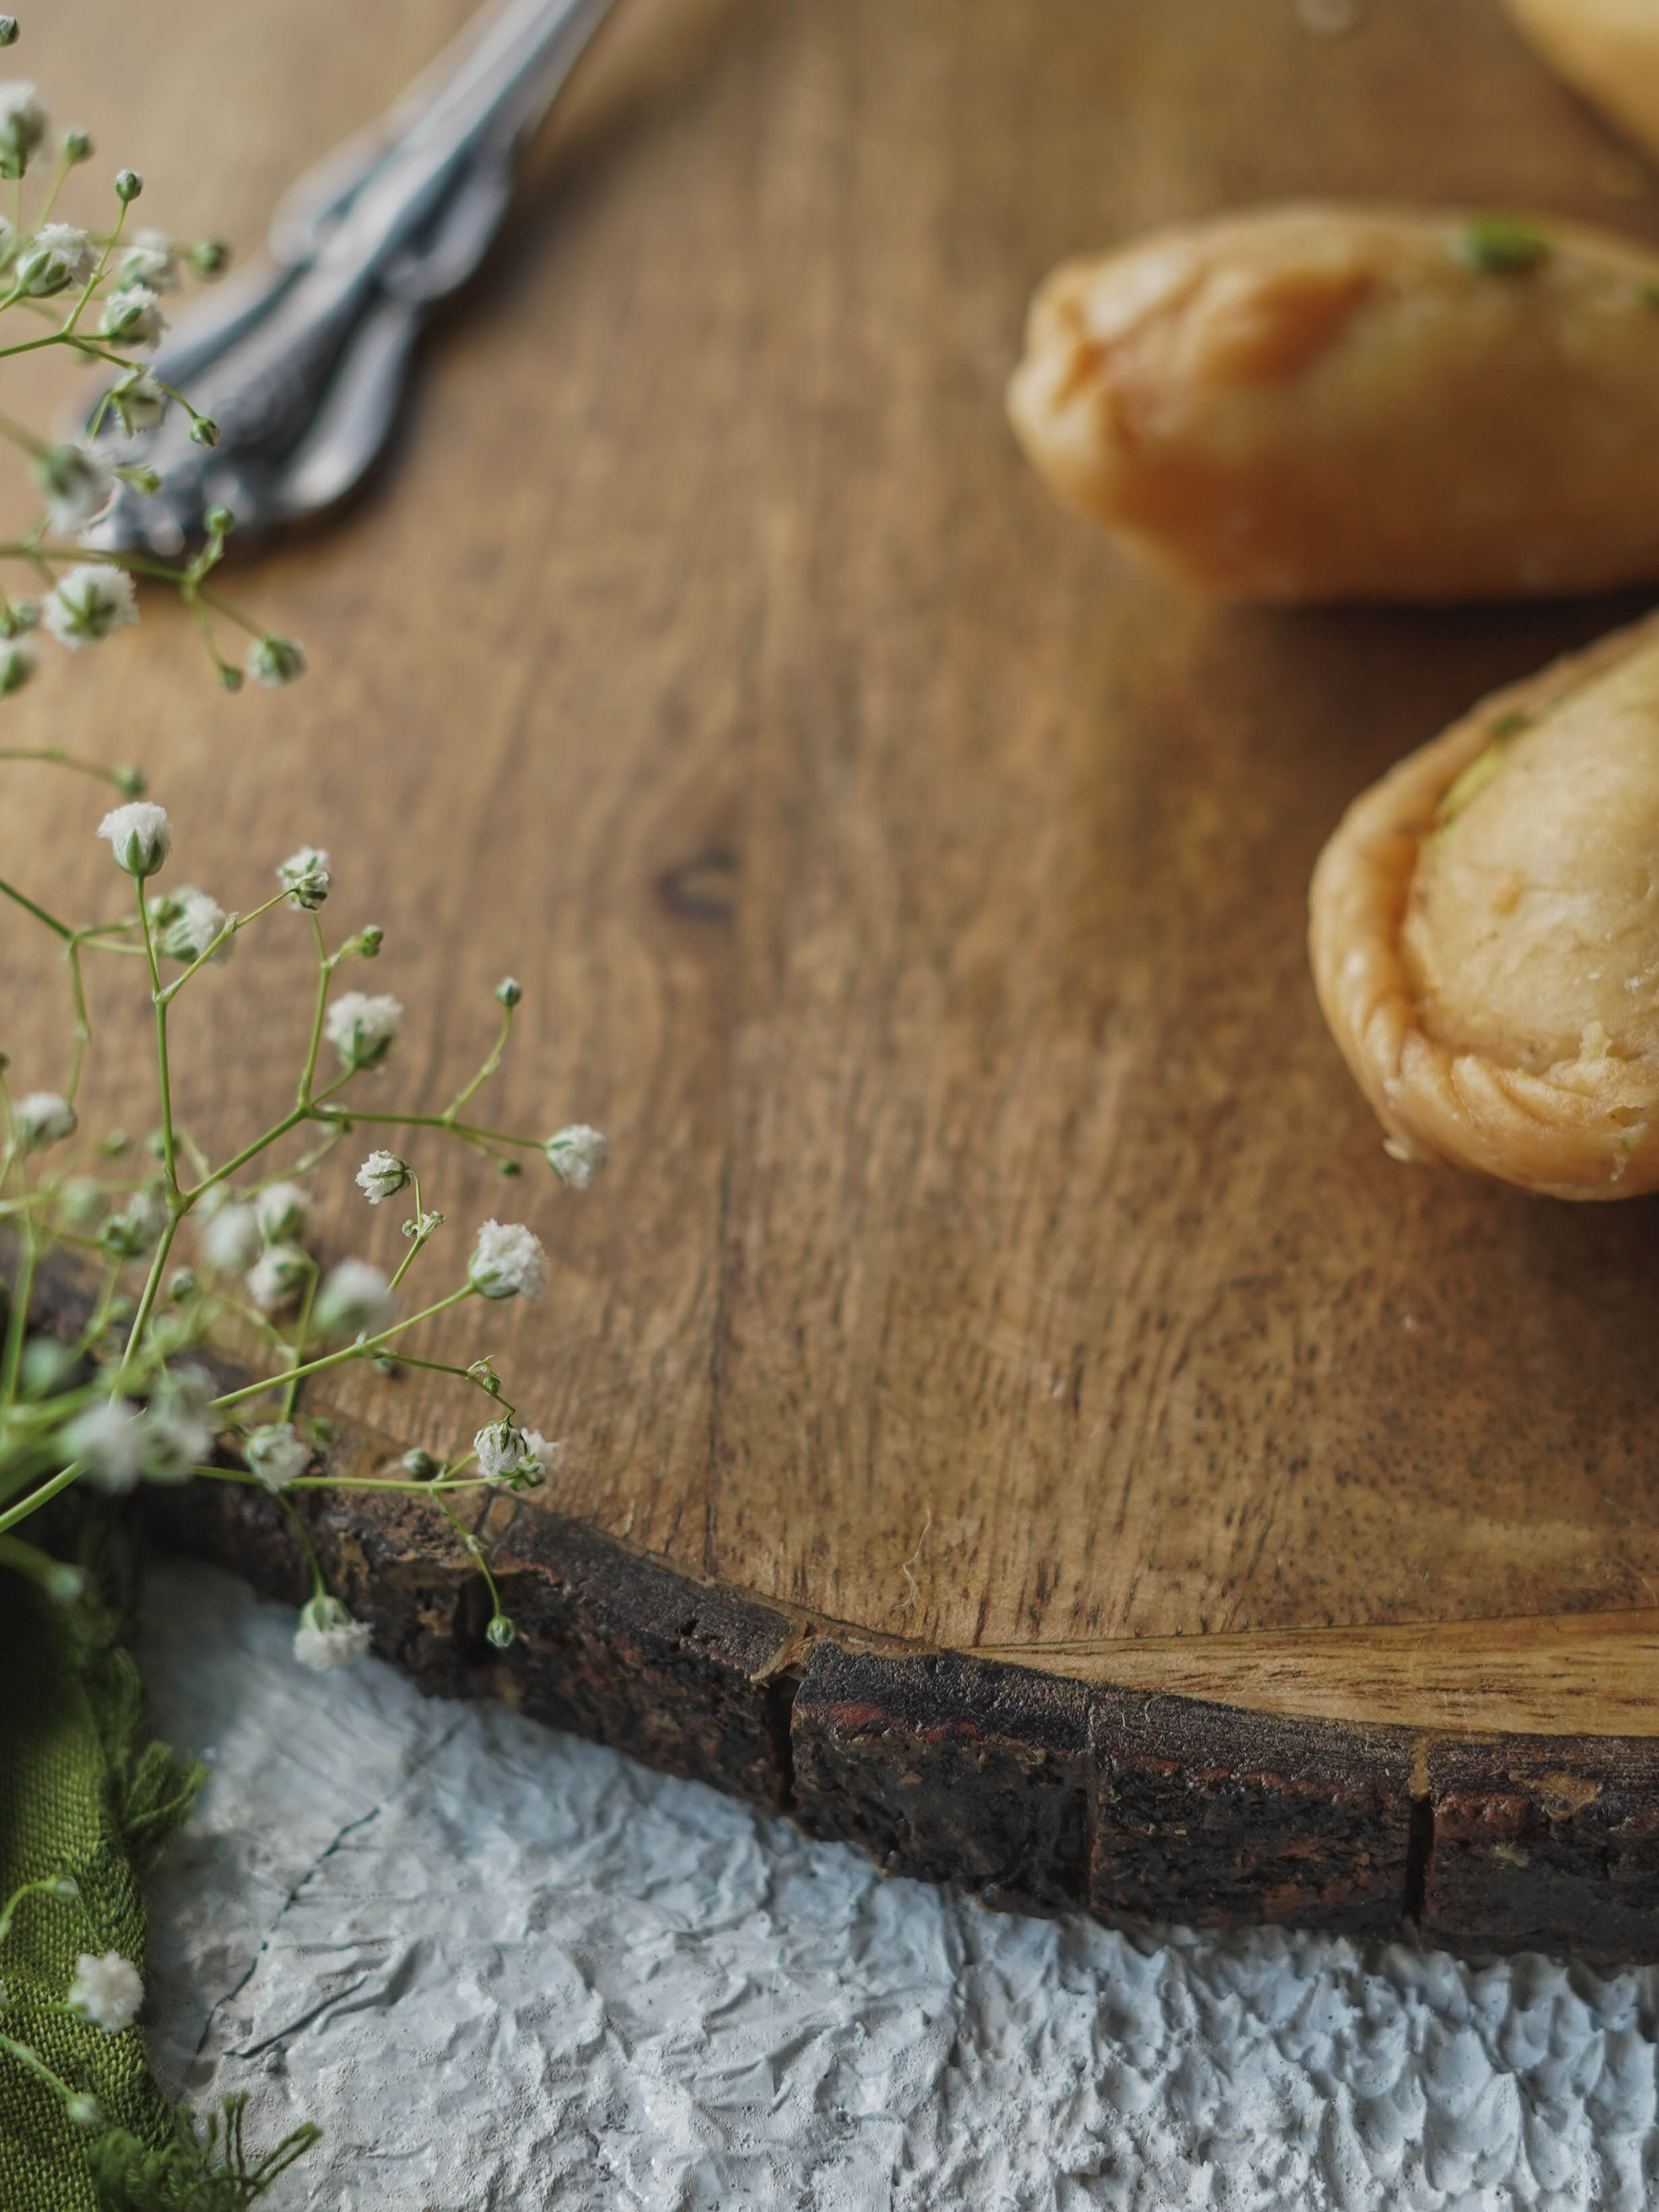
[996, 1260]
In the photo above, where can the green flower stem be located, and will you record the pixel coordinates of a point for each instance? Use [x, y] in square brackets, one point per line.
[470, 1131]
[37, 1499]
[97, 276]
[348, 1481]
[319, 1580]
[58, 928]
[291, 1395]
[40, 1567]
[363, 1348]
[46, 1886]
[232, 928]
[22, 1292]
[35, 2064]
[158, 997]
[492, 1062]
[56, 756]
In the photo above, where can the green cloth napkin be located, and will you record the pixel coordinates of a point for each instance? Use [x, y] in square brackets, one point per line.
[78, 1797]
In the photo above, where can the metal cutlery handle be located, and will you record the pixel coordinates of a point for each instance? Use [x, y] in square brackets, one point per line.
[301, 362]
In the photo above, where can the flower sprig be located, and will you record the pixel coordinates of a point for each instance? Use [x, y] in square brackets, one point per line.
[122, 1401]
[103, 293]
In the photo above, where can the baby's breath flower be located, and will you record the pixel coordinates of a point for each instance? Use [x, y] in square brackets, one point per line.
[140, 836]
[77, 147]
[196, 920]
[132, 317]
[500, 1451]
[82, 2110]
[305, 876]
[139, 401]
[175, 1433]
[361, 1026]
[577, 1154]
[20, 656]
[327, 1637]
[128, 184]
[542, 1452]
[107, 1991]
[356, 1300]
[274, 660]
[151, 259]
[500, 1633]
[42, 1118]
[277, 1277]
[91, 603]
[231, 1239]
[509, 991]
[209, 258]
[75, 485]
[508, 1262]
[276, 1455]
[133, 1231]
[24, 122]
[109, 1442]
[283, 1210]
[57, 256]
[382, 1175]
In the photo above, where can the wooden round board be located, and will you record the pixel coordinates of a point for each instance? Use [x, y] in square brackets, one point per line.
[1016, 1416]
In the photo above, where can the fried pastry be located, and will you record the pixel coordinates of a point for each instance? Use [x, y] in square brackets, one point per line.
[1320, 403]
[1607, 50]
[1485, 932]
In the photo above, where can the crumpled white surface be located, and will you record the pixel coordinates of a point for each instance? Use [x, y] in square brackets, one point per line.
[507, 1971]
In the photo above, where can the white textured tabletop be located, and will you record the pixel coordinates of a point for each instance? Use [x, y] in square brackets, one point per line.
[506, 1971]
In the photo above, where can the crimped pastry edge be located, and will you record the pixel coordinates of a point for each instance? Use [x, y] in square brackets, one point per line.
[1584, 1128]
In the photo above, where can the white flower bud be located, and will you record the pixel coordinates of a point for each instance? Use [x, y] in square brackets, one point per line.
[24, 122]
[195, 920]
[231, 1239]
[382, 1175]
[276, 1455]
[90, 603]
[132, 317]
[151, 259]
[82, 2110]
[361, 1026]
[75, 485]
[108, 1442]
[277, 1277]
[508, 1262]
[175, 1429]
[56, 256]
[42, 1118]
[274, 661]
[306, 876]
[107, 1991]
[283, 1212]
[499, 1449]
[140, 836]
[327, 1637]
[137, 1228]
[356, 1300]
[139, 401]
[577, 1154]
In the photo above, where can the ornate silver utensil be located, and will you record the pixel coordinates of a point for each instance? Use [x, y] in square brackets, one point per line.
[302, 360]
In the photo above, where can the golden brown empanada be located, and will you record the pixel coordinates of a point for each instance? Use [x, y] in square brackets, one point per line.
[1485, 932]
[1338, 402]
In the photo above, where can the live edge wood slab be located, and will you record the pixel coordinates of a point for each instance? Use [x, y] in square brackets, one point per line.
[1016, 1416]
